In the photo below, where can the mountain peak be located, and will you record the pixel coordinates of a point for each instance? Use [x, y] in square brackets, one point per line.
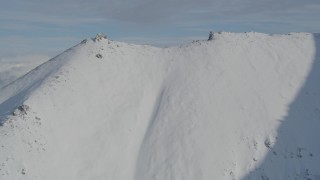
[239, 107]
[100, 36]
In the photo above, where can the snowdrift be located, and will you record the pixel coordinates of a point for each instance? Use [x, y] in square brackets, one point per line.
[242, 106]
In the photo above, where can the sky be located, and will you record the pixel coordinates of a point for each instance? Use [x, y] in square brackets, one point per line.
[46, 28]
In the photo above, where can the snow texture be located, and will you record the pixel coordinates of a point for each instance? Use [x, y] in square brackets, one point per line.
[241, 106]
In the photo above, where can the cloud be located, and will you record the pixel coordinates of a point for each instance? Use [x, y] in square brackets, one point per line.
[12, 68]
[170, 12]
[11, 46]
[38, 17]
[164, 12]
[34, 20]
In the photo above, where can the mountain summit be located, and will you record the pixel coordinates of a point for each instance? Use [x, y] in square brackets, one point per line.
[240, 106]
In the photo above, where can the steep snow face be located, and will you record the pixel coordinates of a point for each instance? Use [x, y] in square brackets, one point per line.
[208, 110]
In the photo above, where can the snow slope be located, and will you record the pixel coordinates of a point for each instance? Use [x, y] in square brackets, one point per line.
[243, 106]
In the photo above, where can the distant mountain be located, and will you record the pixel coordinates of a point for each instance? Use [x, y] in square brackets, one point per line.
[240, 106]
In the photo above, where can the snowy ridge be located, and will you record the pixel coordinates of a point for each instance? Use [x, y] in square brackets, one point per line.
[208, 110]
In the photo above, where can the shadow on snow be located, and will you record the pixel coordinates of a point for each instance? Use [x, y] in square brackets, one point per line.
[296, 153]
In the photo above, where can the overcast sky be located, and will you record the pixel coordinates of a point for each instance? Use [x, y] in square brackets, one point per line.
[48, 27]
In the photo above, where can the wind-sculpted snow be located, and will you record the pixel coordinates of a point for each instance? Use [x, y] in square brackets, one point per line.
[241, 106]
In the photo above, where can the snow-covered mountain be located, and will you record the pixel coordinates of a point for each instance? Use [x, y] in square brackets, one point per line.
[242, 106]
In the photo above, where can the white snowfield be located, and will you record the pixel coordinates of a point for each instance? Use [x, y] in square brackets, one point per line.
[242, 106]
